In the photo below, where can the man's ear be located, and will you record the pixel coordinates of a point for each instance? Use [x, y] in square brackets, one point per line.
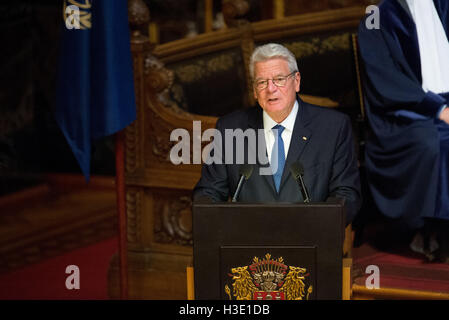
[298, 82]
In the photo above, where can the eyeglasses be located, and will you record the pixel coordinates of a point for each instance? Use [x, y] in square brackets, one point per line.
[280, 81]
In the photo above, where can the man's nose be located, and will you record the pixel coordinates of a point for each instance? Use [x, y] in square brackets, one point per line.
[271, 86]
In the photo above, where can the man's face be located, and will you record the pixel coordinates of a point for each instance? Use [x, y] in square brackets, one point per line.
[276, 101]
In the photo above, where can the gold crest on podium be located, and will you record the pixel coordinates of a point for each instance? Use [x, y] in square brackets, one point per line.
[269, 279]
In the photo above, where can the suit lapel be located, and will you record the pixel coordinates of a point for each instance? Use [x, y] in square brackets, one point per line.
[255, 121]
[300, 138]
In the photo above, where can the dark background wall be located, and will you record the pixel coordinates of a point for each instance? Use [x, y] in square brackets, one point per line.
[31, 143]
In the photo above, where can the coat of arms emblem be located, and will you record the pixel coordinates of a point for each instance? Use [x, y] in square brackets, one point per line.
[269, 279]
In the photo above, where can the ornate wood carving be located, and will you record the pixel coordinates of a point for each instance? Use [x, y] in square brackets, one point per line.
[138, 15]
[157, 150]
[173, 221]
[132, 147]
[133, 213]
[159, 79]
[233, 11]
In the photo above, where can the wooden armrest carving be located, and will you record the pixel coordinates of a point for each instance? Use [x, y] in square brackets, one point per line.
[320, 101]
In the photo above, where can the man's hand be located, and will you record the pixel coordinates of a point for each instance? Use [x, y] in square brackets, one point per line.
[444, 115]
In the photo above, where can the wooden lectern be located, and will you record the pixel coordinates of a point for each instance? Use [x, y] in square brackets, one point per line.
[275, 251]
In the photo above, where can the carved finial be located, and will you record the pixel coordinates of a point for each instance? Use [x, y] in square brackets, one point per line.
[233, 11]
[160, 79]
[138, 15]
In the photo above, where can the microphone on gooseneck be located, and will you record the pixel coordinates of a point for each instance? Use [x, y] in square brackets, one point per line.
[245, 172]
[297, 171]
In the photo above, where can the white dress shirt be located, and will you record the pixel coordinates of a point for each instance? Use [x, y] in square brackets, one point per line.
[288, 124]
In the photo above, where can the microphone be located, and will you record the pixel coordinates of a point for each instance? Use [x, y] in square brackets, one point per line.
[245, 172]
[297, 171]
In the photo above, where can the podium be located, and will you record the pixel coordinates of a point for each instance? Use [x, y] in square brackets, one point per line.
[273, 251]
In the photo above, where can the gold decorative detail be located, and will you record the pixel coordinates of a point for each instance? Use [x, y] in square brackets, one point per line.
[222, 62]
[228, 292]
[315, 46]
[194, 72]
[243, 286]
[265, 279]
[84, 12]
[294, 287]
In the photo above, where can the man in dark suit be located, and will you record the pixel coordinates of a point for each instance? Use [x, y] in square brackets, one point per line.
[287, 131]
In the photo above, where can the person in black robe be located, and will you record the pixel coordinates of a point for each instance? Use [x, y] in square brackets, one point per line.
[406, 86]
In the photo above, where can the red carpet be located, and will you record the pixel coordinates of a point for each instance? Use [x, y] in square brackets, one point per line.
[47, 279]
[404, 270]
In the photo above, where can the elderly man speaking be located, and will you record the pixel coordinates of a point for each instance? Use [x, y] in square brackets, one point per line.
[293, 132]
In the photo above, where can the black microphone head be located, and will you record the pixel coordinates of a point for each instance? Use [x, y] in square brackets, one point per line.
[246, 170]
[297, 169]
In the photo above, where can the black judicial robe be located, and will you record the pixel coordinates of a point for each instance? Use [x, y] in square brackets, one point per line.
[403, 150]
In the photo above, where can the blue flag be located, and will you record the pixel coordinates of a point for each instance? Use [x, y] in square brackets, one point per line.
[95, 93]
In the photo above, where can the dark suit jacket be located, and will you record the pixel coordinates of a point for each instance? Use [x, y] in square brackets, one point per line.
[322, 141]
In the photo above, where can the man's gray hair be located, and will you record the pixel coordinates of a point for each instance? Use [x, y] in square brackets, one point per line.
[270, 51]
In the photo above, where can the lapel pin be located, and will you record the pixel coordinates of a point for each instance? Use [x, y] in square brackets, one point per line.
[304, 138]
